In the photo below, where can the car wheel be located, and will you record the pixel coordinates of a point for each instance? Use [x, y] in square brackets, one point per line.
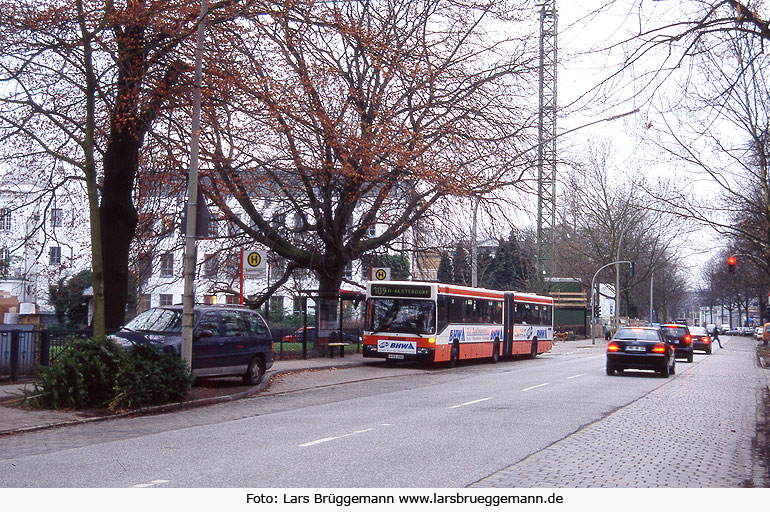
[610, 369]
[689, 357]
[454, 354]
[255, 372]
[664, 372]
[496, 351]
[672, 371]
[708, 350]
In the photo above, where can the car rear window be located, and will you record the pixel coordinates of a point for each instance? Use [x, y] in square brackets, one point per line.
[637, 334]
[674, 332]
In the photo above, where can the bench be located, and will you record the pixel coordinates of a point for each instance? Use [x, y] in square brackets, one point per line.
[341, 347]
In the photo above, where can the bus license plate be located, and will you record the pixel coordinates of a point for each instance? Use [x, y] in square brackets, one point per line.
[395, 356]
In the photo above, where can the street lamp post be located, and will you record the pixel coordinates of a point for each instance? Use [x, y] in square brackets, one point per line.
[593, 285]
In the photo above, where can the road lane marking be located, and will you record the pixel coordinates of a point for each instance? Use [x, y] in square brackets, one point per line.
[535, 387]
[154, 482]
[334, 438]
[576, 376]
[471, 403]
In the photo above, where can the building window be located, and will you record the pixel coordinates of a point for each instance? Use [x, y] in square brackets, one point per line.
[276, 305]
[347, 273]
[213, 230]
[166, 299]
[5, 260]
[145, 302]
[210, 266]
[166, 225]
[144, 267]
[232, 300]
[5, 219]
[56, 217]
[296, 305]
[167, 265]
[371, 230]
[209, 300]
[279, 220]
[54, 255]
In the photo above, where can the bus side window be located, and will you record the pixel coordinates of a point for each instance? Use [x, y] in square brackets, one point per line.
[497, 313]
[443, 312]
[455, 310]
[469, 311]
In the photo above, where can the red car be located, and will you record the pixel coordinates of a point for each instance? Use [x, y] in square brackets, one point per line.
[296, 336]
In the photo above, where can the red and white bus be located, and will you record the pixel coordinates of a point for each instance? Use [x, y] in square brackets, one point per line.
[432, 322]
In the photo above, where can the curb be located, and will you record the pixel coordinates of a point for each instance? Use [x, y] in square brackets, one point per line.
[175, 406]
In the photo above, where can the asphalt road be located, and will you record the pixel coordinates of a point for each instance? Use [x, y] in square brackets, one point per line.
[370, 426]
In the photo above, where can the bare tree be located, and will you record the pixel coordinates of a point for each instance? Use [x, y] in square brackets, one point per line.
[336, 127]
[606, 216]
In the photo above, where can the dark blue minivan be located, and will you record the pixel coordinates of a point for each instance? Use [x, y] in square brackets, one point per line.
[227, 340]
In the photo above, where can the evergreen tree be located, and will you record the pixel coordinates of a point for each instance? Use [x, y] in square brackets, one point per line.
[68, 301]
[511, 267]
[461, 263]
[444, 274]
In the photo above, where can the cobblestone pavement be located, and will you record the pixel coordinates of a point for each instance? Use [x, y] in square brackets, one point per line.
[667, 438]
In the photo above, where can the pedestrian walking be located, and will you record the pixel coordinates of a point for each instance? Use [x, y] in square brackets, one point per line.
[715, 336]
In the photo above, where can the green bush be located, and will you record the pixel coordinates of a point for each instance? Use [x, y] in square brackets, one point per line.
[82, 376]
[101, 374]
[149, 377]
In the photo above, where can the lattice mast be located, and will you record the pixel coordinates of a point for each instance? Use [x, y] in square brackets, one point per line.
[546, 152]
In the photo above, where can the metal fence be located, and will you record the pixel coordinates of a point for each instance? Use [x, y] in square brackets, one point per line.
[23, 349]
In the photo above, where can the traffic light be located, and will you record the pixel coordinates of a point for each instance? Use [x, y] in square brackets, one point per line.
[731, 264]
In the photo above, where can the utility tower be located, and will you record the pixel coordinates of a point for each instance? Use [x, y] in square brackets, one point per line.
[546, 149]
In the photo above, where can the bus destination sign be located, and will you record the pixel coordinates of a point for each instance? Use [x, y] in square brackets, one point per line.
[403, 290]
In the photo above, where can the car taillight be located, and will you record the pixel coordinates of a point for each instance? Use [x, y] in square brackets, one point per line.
[613, 347]
[660, 348]
[687, 339]
[705, 339]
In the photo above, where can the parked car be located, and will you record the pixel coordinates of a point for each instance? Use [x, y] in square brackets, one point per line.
[766, 333]
[227, 340]
[701, 340]
[724, 328]
[643, 348]
[297, 336]
[680, 337]
[758, 331]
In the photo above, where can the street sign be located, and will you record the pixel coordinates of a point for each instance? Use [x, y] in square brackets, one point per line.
[380, 274]
[254, 264]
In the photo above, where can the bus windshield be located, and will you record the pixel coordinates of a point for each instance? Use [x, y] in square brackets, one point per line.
[402, 315]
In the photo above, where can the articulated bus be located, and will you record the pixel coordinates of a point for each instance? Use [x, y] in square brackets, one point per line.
[432, 322]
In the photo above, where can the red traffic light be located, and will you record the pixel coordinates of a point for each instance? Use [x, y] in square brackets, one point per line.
[731, 263]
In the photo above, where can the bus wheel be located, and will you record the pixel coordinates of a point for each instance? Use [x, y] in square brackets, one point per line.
[454, 354]
[496, 351]
[533, 353]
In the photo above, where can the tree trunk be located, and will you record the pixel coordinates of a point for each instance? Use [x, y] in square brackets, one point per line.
[119, 218]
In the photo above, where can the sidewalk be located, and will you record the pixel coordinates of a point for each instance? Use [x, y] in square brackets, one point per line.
[665, 438]
[17, 420]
